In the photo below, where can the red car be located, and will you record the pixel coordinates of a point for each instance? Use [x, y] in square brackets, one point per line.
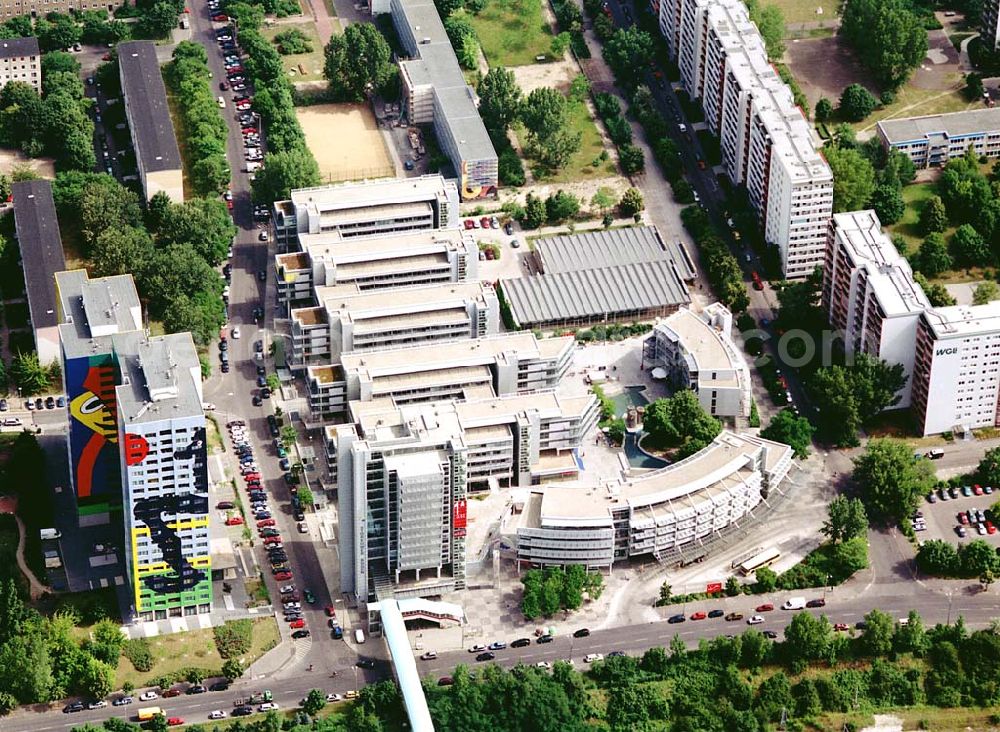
[229, 205]
[248, 130]
[990, 528]
[331, 611]
[265, 522]
[700, 615]
[251, 476]
[485, 222]
[296, 624]
[469, 224]
[977, 489]
[272, 540]
[765, 608]
[174, 721]
[283, 576]
[220, 18]
[234, 521]
[171, 693]
[963, 518]
[840, 626]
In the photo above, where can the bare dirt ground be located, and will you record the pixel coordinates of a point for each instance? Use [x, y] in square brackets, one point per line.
[936, 71]
[558, 74]
[10, 159]
[824, 66]
[346, 141]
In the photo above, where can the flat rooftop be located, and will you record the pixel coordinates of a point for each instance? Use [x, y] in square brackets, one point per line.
[41, 247]
[952, 125]
[591, 294]
[363, 248]
[146, 100]
[702, 340]
[372, 193]
[161, 377]
[377, 212]
[360, 305]
[890, 275]
[92, 311]
[959, 321]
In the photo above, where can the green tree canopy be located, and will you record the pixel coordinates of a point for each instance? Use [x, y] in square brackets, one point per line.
[933, 216]
[891, 482]
[846, 519]
[856, 103]
[791, 429]
[933, 257]
[853, 178]
[546, 117]
[680, 421]
[283, 172]
[888, 37]
[500, 101]
[358, 62]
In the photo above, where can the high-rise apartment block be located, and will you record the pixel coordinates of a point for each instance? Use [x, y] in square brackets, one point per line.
[766, 142]
[136, 441]
[989, 29]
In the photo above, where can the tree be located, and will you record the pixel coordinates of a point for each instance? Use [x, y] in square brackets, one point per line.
[910, 637]
[560, 206]
[807, 637]
[307, 497]
[846, 519]
[292, 41]
[891, 481]
[57, 31]
[628, 49]
[733, 587]
[985, 292]
[978, 558]
[545, 116]
[853, 178]
[680, 421]
[283, 172]
[933, 257]
[632, 707]
[314, 702]
[936, 293]
[889, 38]
[791, 429]
[973, 87]
[771, 24]
[933, 216]
[856, 103]
[106, 204]
[204, 224]
[937, 558]
[766, 580]
[157, 20]
[968, 247]
[887, 200]
[876, 638]
[989, 467]
[107, 642]
[232, 668]
[446, 7]
[500, 101]
[631, 159]
[559, 45]
[12, 611]
[964, 190]
[666, 592]
[774, 696]
[28, 375]
[358, 62]
[603, 199]
[98, 678]
[631, 202]
[534, 212]
[824, 110]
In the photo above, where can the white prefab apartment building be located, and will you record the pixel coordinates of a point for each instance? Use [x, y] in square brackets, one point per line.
[990, 24]
[368, 208]
[20, 60]
[375, 263]
[351, 320]
[698, 353]
[766, 142]
[933, 140]
[403, 473]
[663, 513]
[869, 294]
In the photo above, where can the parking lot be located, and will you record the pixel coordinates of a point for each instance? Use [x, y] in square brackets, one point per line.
[942, 518]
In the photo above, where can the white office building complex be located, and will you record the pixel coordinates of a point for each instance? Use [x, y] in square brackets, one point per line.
[368, 208]
[403, 473]
[766, 141]
[697, 352]
[373, 263]
[351, 320]
[869, 294]
[665, 513]
[933, 140]
[495, 365]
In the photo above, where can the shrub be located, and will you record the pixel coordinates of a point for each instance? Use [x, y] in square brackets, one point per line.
[292, 41]
[139, 653]
[233, 638]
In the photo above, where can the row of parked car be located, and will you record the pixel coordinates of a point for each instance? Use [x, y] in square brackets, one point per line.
[237, 82]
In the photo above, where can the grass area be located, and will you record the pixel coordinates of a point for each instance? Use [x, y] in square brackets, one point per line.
[957, 39]
[312, 62]
[581, 165]
[512, 32]
[257, 591]
[804, 11]
[915, 196]
[213, 436]
[178, 122]
[935, 718]
[913, 102]
[194, 648]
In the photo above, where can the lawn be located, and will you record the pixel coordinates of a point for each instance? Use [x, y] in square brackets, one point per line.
[177, 120]
[581, 165]
[935, 718]
[908, 227]
[312, 62]
[194, 648]
[804, 11]
[512, 32]
[913, 102]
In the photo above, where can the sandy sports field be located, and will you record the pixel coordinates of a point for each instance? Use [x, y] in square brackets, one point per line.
[346, 141]
[14, 159]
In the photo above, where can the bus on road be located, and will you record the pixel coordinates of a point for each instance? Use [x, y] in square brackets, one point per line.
[765, 559]
[147, 713]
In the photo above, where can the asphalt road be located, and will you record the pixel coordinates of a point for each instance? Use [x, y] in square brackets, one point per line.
[977, 610]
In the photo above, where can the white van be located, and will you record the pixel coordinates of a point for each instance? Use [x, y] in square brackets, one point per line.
[49, 534]
[359, 635]
[794, 603]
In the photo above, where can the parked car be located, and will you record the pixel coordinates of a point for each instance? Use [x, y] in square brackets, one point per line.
[678, 618]
[755, 620]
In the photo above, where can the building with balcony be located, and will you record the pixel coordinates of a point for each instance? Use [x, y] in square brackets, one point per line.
[933, 140]
[37, 231]
[492, 366]
[20, 60]
[869, 294]
[437, 94]
[667, 514]
[766, 142]
[145, 97]
[403, 474]
[349, 320]
[368, 208]
[375, 263]
[697, 352]
[990, 24]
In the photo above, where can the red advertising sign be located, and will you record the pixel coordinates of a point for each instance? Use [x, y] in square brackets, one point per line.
[458, 516]
[713, 587]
